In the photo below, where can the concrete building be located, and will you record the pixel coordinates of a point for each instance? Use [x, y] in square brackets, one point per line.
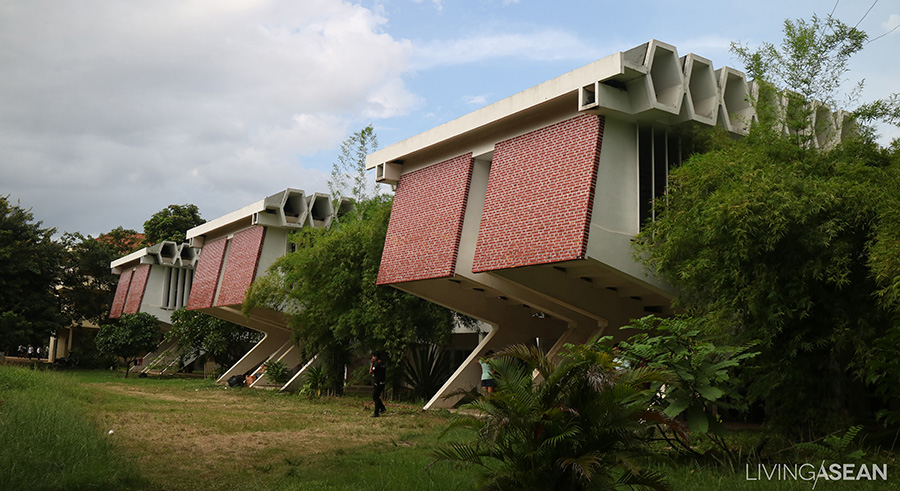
[239, 247]
[522, 213]
[213, 272]
[156, 280]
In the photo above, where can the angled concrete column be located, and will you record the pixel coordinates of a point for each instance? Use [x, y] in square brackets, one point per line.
[262, 351]
[299, 378]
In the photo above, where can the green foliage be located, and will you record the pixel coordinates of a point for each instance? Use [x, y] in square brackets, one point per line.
[172, 223]
[223, 341]
[768, 239]
[835, 448]
[810, 65]
[704, 373]
[811, 61]
[30, 266]
[131, 337]
[771, 243]
[882, 371]
[348, 174]
[49, 440]
[88, 284]
[426, 370]
[277, 371]
[884, 249]
[336, 309]
[581, 424]
[316, 381]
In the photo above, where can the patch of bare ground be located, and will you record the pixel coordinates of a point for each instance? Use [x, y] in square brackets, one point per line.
[183, 438]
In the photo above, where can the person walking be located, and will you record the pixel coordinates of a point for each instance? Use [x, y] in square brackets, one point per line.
[487, 373]
[378, 380]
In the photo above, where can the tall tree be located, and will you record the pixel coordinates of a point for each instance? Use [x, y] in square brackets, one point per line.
[29, 274]
[88, 284]
[809, 68]
[340, 310]
[172, 223]
[348, 174]
[769, 239]
[129, 338]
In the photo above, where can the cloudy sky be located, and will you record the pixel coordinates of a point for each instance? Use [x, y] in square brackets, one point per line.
[113, 110]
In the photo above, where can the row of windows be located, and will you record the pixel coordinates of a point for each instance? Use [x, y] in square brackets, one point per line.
[177, 288]
[659, 151]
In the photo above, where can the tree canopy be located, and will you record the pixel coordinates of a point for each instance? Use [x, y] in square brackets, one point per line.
[172, 223]
[771, 240]
[129, 338]
[348, 174]
[29, 274]
[88, 284]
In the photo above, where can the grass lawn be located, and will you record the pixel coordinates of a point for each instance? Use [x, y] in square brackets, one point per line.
[189, 434]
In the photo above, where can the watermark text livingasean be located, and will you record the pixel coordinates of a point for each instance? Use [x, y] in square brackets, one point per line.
[815, 473]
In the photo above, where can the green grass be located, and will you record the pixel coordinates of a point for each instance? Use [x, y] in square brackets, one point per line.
[189, 434]
[47, 440]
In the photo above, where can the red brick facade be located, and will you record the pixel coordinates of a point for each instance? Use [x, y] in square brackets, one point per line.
[118, 304]
[240, 270]
[426, 222]
[539, 196]
[206, 276]
[136, 290]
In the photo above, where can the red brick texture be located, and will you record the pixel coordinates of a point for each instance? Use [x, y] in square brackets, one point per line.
[539, 197]
[118, 304]
[426, 222]
[206, 276]
[136, 290]
[240, 270]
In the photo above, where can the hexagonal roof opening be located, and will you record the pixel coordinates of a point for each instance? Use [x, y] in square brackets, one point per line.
[666, 78]
[294, 207]
[735, 100]
[703, 93]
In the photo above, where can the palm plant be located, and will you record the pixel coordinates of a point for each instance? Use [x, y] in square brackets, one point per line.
[426, 370]
[577, 423]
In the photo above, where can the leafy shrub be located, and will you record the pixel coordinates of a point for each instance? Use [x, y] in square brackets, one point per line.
[316, 381]
[277, 371]
[703, 372]
[426, 370]
[580, 424]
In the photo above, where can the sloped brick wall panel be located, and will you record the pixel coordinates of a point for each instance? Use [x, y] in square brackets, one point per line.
[206, 276]
[118, 305]
[137, 288]
[426, 222]
[240, 269]
[539, 197]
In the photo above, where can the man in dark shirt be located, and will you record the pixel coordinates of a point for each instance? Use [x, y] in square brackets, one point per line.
[378, 379]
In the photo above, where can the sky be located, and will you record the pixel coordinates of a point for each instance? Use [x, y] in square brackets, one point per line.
[112, 110]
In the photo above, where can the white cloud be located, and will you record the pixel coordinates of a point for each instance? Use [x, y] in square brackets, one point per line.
[162, 102]
[545, 44]
[476, 100]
